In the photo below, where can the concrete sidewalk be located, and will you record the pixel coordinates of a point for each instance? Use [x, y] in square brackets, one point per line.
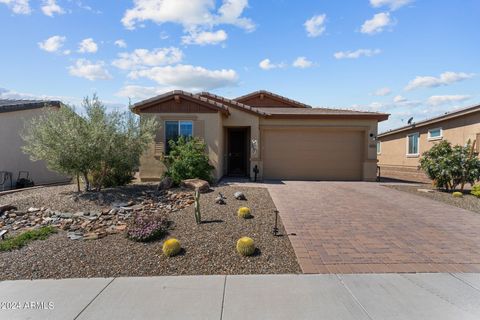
[364, 296]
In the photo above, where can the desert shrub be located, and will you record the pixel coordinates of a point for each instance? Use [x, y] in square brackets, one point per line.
[476, 190]
[171, 247]
[449, 166]
[145, 228]
[102, 147]
[246, 246]
[188, 159]
[20, 240]
[244, 212]
[457, 194]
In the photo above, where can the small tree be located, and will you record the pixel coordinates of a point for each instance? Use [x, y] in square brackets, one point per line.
[104, 148]
[449, 166]
[188, 160]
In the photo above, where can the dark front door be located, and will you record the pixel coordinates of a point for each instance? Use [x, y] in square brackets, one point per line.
[237, 152]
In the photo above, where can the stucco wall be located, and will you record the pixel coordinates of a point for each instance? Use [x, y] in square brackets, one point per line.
[457, 131]
[205, 125]
[12, 158]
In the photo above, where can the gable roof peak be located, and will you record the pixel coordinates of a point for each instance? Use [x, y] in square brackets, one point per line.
[275, 96]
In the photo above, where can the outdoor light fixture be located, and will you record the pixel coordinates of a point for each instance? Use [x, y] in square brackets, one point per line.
[275, 227]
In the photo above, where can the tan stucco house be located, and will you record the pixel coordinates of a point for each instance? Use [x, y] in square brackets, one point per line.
[263, 132]
[13, 115]
[399, 150]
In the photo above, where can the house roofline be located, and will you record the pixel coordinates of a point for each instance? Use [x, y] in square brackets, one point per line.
[235, 104]
[29, 105]
[443, 117]
[376, 116]
[295, 103]
[190, 96]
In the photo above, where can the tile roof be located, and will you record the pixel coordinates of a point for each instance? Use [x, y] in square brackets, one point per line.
[321, 112]
[274, 95]
[233, 103]
[10, 105]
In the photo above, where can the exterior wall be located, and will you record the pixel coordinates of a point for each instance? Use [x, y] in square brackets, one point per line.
[368, 127]
[393, 157]
[12, 159]
[207, 126]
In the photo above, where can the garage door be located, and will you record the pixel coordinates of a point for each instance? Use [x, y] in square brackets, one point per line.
[312, 154]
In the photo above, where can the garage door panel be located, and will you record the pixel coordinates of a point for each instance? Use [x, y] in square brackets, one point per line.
[309, 154]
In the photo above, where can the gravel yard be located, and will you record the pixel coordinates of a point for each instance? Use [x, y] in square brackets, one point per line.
[468, 202]
[209, 248]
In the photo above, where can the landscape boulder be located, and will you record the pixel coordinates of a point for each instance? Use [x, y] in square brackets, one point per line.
[165, 184]
[6, 207]
[239, 195]
[194, 184]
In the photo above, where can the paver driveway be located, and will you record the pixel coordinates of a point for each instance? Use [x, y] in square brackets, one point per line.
[356, 227]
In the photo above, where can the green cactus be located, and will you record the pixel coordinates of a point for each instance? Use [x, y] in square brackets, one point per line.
[246, 246]
[457, 194]
[244, 212]
[198, 214]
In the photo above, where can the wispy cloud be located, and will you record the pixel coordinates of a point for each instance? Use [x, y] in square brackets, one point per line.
[302, 63]
[89, 70]
[50, 8]
[52, 44]
[377, 24]
[18, 6]
[392, 4]
[447, 99]
[315, 26]
[266, 64]
[444, 79]
[357, 53]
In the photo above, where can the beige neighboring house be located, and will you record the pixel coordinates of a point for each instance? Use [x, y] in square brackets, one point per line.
[263, 132]
[399, 150]
[13, 114]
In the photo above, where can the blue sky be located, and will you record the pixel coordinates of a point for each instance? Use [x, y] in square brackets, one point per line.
[415, 58]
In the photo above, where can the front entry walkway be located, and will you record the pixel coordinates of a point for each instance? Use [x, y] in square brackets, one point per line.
[361, 227]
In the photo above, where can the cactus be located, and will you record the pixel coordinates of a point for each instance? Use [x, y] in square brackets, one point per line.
[244, 212]
[457, 194]
[198, 214]
[246, 246]
[171, 247]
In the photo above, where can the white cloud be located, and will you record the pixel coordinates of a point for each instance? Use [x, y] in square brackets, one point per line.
[266, 64]
[205, 37]
[191, 14]
[356, 54]
[50, 8]
[141, 58]
[120, 43]
[188, 77]
[140, 92]
[447, 99]
[398, 99]
[392, 4]
[87, 46]
[377, 24]
[444, 79]
[382, 92]
[302, 63]
[18, 6]
[315, 26]
[84, 68]
[52, 44]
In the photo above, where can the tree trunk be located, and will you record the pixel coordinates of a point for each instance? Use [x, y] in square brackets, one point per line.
[86, 181]
[78, 182]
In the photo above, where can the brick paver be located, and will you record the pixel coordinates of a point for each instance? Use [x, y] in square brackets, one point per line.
[360, 227]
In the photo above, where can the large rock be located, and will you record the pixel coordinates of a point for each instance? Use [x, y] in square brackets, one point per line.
[6, 207]
[194, 184]
[165, 184]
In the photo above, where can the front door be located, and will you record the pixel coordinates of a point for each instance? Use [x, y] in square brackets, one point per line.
[237, 151]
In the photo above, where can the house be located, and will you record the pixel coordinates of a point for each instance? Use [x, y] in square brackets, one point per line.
[265, 134]
[13, 115]
[399, 150]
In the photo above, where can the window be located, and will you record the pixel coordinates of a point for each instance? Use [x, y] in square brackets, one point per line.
[379, 147]
[435, 134]
[412, 144]
[175, 129]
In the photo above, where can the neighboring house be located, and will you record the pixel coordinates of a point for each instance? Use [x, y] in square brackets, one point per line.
[266, 133]
[399, 150]
[13, 114]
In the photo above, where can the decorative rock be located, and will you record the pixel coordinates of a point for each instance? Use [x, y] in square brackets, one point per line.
[220, 199]
[239, 195]
[165, 184]
[33, 210]
[74, 235]
[90, 236]
[65, 215]
[425, 190]
[194, 184]
[6, 207]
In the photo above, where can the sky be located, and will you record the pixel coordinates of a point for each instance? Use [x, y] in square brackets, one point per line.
[409, 58]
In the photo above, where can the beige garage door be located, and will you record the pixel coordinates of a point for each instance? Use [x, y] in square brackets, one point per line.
[313, 154]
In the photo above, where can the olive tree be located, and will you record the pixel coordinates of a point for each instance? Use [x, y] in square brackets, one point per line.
[102, 147]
